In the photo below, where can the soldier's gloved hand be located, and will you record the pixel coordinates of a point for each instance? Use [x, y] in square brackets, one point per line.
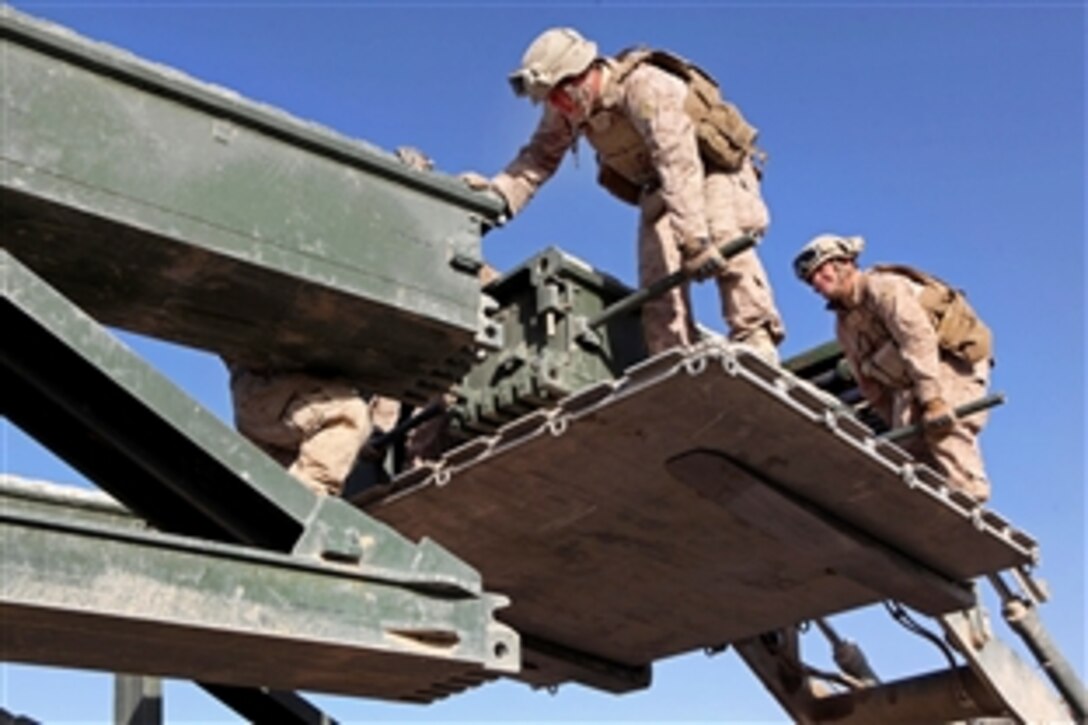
[475, 181]
[479, 182]
[702, 259]
[937, 418]
[413, 157]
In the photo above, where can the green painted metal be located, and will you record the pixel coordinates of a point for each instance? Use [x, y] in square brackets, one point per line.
[79, 391]
[181, 210]
[543, 308]
[79, 589]
[815, 360]
[543, 325]
[826, 367]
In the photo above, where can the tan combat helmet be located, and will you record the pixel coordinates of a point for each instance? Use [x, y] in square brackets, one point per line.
[821, 249]
[556, 54]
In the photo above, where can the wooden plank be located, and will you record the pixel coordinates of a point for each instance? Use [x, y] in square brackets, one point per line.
[839, 547]
[578, 519]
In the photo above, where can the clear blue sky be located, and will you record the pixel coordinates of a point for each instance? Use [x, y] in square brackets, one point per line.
[950, 135]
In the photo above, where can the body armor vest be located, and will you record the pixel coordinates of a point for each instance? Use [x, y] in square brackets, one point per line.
[725, 138]
[960, 332]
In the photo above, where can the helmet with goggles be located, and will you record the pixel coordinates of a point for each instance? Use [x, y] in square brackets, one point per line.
[823, 248]
[555, 55]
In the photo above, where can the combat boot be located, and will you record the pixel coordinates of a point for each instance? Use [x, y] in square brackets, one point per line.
[762, 344]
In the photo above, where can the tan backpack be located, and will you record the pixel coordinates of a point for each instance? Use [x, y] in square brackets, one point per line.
[960, 332]
[726, 139]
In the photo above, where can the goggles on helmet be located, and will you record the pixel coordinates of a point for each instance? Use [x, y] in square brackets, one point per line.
[822, 249]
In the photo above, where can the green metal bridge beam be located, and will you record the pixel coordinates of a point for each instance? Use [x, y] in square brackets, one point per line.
[79, 391]
[84, 585]
[177, 209]
[82, 393]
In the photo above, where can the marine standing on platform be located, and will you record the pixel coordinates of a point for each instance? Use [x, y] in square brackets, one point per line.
[916, 349]
[668, 143]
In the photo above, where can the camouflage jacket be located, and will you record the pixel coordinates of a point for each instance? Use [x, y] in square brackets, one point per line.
[889, 340]
[649, 100]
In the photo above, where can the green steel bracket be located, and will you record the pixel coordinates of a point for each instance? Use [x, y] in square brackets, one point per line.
[542, 310]
[825, 367]
[178, 209]
[545, 310]
[82, 393]
[84, 584]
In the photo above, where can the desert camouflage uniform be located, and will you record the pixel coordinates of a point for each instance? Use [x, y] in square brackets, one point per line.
[314, 427]
[680, 199]
[891, 345]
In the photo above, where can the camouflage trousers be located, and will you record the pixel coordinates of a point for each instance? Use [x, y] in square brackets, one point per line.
[734, 206]
[958, 454]
[312, 426]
